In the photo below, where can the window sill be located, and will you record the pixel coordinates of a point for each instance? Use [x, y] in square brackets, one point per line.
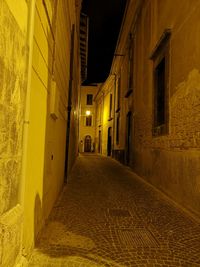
[161, 130]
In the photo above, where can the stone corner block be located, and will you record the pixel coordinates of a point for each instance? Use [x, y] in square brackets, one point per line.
[10, 236]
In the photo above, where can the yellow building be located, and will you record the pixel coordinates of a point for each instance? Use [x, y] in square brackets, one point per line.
[146, 114]
[87, 120]
[154, 82]
[39, 115]
[104, 100]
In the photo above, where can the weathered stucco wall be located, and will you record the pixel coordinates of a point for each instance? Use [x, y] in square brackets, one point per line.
[170, 162]
[13, 60]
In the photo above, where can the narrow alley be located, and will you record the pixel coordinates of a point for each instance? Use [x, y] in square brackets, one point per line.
[99, 133]
[108, 216]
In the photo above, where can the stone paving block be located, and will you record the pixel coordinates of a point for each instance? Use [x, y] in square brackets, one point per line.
[106, 216]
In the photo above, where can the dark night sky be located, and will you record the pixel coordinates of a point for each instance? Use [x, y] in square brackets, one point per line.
[105, 17]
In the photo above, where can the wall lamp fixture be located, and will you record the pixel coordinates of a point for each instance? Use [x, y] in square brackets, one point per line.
[88, 112]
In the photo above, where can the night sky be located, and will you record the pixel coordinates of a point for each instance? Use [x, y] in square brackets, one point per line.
[105, 17]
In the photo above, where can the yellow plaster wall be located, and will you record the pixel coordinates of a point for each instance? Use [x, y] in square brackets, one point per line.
[87, 130]
[103, 106]
[19, 9]
[56, 128]
[36, 182]
[74, 6]
[33, 199]
[47, 134]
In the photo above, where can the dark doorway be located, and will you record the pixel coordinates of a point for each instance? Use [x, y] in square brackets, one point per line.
[128, 137]
[109, 145]
[88, 143]
[99, 144]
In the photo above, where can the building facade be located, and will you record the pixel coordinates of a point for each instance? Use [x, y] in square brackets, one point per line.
[87, 119]
[39, 108]
[149, 110]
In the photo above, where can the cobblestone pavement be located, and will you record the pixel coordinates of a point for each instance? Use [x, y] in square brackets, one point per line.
[106, 216]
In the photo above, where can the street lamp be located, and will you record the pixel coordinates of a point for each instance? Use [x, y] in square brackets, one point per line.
[88, 112]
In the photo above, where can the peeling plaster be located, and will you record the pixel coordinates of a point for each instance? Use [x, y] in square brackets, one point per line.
[191, 86]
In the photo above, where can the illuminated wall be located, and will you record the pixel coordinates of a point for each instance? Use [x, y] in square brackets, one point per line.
[167, 160]
[35, 53]
[13, 84]
[48, 125]
[105, 115]
[87, 130]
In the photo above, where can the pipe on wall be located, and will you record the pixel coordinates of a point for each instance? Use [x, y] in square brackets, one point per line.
[30, 34]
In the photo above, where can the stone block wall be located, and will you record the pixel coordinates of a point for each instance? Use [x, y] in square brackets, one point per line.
[13, 83]
[13, 54]
[10, 232]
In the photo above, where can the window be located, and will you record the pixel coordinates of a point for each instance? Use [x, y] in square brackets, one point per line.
[130, 66]
[160, 93]
[118, 93]
[117, 131]
[161, 69]
[89, 120]
[110, 111]
[89, 99]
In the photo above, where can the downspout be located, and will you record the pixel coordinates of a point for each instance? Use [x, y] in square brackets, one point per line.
[69, 101]
[30, 33]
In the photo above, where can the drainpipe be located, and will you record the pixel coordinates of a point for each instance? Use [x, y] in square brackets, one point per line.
[30, 33]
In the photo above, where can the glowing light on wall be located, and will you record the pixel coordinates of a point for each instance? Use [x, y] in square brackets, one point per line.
[88, 112]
